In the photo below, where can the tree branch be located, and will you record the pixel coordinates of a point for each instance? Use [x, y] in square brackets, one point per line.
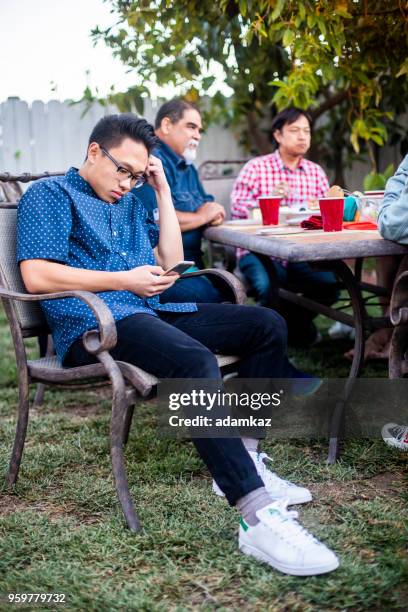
[329, 103]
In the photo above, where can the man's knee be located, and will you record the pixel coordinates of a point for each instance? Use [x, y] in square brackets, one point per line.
[271, 325]
[199, 362]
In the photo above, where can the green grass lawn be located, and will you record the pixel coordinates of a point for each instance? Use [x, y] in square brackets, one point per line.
[61, 530]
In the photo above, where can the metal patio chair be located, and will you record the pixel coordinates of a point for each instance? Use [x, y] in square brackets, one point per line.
[398, 363]
[128, 382]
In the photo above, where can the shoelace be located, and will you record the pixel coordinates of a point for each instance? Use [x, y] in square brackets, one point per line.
[266, 474]
[289, 529]
[401, 433]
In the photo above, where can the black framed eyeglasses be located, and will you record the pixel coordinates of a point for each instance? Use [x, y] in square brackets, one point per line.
[135, 181]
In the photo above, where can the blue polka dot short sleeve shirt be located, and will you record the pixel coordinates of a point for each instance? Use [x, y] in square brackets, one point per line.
[63, 220]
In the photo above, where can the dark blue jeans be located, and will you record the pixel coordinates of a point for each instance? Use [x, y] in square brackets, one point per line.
[265, 276]
[181, 345]
[194, 289]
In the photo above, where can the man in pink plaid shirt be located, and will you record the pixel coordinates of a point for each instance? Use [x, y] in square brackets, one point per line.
[300, 182]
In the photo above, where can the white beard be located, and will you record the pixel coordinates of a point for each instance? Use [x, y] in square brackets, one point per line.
[190, 152]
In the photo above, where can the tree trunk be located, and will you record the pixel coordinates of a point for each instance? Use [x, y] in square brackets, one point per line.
[257, 136]
[339, 178]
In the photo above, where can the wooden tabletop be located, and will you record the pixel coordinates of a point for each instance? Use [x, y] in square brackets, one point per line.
[309, 245]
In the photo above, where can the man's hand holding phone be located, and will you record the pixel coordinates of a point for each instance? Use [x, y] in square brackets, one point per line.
[179, 268]
[147, 281]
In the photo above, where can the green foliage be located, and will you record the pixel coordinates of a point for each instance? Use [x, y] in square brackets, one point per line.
[375, 180]
[345, 54]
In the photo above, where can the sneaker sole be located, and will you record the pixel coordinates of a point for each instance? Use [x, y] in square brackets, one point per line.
[293, 571]
[292, 502]
[394, 444]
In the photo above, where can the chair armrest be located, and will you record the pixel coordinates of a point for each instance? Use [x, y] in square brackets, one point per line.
[399, 300]
[230, 282]
[94, 341]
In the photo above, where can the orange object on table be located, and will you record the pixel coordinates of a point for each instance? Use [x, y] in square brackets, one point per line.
[360, 225]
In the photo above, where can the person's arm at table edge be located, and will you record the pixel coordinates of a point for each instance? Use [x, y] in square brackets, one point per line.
[202, 216]
[393, 215]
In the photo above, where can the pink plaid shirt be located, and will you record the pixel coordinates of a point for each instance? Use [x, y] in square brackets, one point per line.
[258, 177]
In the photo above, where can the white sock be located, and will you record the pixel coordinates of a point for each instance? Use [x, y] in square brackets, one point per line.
[251, 503]
[251, 444]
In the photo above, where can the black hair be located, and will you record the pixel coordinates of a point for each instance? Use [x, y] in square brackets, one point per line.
[286, 117]
[111, 130]
[174, 110]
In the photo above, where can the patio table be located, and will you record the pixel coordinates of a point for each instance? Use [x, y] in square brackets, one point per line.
[327, 250]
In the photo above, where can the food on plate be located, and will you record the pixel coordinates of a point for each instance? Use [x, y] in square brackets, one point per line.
[335, 192]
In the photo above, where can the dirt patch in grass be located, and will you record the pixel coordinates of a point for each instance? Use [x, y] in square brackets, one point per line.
[11, 503]
[387, 484]
[80, 404]
[83, 412]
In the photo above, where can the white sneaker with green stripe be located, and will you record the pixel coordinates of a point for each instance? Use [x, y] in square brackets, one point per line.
[279, 540]
[277, 487]
[395, 435]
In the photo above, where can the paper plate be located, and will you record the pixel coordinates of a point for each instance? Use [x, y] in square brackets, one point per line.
[279, 231]
[242, 222]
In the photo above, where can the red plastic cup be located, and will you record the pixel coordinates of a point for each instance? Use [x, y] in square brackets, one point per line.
[332, 210]
[270, 209]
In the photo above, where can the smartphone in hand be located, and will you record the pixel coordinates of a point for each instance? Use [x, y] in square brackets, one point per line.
[179, 268]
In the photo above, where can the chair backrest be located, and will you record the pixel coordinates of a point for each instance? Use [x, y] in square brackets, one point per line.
[218, 179]
[10, 191]
[29, 314]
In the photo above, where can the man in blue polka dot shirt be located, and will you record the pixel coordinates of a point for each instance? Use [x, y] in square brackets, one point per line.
[89, 231]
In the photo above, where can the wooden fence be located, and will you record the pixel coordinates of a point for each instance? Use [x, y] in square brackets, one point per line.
[53, 136]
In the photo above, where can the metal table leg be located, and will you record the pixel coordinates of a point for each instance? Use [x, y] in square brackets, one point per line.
[361, 321]
[337, 420]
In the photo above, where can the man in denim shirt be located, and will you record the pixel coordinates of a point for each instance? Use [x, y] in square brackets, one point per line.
[393, 216]
[178, 126]
[88, 230]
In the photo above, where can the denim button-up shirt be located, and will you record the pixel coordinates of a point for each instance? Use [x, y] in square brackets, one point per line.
[63, 220]
[393, 215]
[187, 192]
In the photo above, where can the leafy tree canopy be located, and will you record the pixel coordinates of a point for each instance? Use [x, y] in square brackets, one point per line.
[345, 60]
